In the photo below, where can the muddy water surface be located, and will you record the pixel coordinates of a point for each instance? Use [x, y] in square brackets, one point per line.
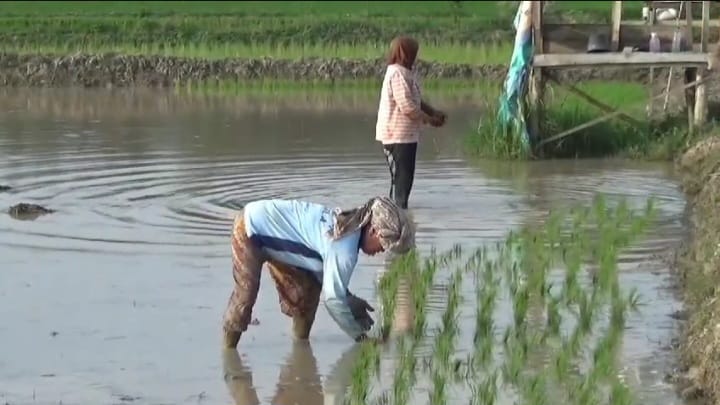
[118, 296]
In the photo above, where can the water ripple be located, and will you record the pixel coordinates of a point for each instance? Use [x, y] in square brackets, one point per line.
[145, 196]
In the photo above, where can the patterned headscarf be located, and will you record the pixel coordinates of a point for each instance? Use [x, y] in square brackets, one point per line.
[389, 221]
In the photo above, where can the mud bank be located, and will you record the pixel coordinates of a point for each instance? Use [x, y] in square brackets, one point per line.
[699, 269]
[109, 70]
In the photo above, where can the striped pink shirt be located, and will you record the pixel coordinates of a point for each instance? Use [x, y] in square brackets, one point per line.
[399, 116]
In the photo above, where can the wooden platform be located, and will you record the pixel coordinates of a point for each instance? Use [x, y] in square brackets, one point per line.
[620, 59]
[564, 45]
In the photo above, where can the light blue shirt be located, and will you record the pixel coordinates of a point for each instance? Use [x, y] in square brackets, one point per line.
[296, 233]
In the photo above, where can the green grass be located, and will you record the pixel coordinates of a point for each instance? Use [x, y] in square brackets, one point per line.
[698, 261]
[495, 54]
[220, 30]
[216, 24]
[563, 111]
[482, 9]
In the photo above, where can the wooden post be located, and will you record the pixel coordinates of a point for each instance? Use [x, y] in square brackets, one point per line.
[536, 91]
[690, 73]
[616, 20]
[651, 79]
[701, 92]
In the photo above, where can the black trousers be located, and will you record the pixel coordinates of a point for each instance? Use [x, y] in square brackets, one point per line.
[401, 162]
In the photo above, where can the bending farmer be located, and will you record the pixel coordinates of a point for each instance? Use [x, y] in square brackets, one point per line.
[310, 249]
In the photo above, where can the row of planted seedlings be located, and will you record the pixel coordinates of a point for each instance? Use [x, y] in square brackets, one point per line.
[548, 320]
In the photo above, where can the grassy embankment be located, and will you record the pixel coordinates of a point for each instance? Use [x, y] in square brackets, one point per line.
[699, 266]
[477, 33]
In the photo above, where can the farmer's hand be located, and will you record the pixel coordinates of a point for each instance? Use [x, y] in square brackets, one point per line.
[359, 308]
[375, 340]
[438, 118]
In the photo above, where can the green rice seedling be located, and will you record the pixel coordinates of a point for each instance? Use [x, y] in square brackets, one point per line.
[524, 263]
[554, 318]
[438, 394]
[520, 299]
[584, 392]
[404, 377]
[361, 374]
[534, 390]
[515, 351]
[485, 393]
[484, 325]
[388, 285]
[445, 339]
[620, 394]
[388, 304]
[419, 297]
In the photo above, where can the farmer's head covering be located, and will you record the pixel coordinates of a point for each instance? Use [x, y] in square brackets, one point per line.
[389, 221]
[403, 51]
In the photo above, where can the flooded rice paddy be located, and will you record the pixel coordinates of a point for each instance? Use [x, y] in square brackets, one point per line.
[117, 297]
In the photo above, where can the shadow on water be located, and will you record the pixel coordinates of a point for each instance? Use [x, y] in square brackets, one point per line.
[120, 291]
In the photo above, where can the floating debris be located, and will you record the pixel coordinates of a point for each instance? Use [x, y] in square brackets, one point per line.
[129, 398]
[28, 211]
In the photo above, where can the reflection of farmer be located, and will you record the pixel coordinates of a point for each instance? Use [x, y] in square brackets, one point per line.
[310, 249]
[298, 382]
[401, 113]
[404, 311]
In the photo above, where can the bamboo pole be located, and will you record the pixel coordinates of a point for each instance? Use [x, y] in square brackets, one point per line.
[536, 91]
[701, 92]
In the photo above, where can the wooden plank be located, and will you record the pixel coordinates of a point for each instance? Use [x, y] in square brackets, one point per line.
[652, 21]
[670, 4]
[538, 27]
[690, 73]
[536, 90]
[705, 27]
[689, 23]
[610, 59]
[616, 20]
[635, 23]
[701, 93]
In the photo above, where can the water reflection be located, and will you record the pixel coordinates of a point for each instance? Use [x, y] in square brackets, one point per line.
[299, 381]
[125, 105]
[404, 312]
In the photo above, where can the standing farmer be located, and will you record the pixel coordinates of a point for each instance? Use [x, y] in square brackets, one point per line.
[401, 114]
[311, 249]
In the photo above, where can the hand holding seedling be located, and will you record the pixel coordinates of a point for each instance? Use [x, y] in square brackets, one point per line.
[360, 309]
[438, 118]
